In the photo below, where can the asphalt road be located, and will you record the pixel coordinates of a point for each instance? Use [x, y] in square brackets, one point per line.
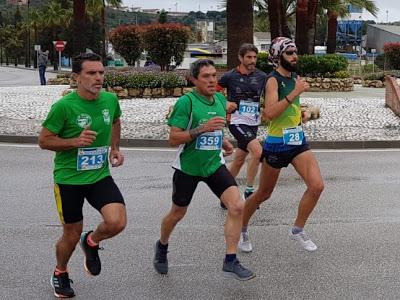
[10, 76]
[355, 226]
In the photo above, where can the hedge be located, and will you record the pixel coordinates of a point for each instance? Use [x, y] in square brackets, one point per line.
[143, 78]
[321, 65]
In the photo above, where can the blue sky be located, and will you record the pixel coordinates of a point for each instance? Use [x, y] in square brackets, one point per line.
[392, 6]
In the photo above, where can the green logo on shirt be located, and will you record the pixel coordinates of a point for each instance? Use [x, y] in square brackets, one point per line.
[84, 120]
[106, 116]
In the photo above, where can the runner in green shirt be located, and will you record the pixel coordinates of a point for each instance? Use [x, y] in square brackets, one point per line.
[197, 122]
[80, 128]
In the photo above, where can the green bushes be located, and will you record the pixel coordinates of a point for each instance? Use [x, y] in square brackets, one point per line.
[381, 75]
[163, 42]
[144, 79]
[262, 62]
[321, 66]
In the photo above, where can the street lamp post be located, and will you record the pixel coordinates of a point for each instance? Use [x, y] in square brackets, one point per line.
[29, 38]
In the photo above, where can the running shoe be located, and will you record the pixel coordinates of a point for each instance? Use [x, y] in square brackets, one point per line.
[304, 241]
[62, 285]
[92, 261]
[160, 261]
[236, 270]
[247, 194]
[244, 242]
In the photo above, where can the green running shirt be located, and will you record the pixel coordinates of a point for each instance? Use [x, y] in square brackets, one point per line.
[190, 111]
[67, 118]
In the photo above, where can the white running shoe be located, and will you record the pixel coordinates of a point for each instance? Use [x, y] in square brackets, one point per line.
[303, 240]
[244, 243]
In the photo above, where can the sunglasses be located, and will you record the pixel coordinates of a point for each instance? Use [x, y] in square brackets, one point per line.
[290, 52]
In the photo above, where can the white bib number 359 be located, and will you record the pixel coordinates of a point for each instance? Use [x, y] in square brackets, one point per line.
[209, 141]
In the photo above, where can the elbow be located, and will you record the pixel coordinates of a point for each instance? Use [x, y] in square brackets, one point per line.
[268, 116]
[42, 143]
[172, 142]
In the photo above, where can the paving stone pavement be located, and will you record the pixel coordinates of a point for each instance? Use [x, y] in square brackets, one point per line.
[353, 116]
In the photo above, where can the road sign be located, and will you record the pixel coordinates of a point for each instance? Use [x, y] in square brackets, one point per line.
[37, 47]
[59, 45]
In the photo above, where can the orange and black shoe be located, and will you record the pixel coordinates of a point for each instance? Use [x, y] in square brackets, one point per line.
[92, 261]
[62, 285]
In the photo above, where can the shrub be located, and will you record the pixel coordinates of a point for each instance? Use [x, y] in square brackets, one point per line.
[325, 65]
[370, 68]
[126, 41]
[262, 62]
[381, 63]
[144, 78]
[165, 42]
[392, 52]
[341, 74]
[381, 75]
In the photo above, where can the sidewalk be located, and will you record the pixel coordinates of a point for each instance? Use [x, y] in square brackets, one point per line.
[357, 119]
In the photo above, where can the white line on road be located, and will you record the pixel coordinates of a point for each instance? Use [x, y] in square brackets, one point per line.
[175, 149]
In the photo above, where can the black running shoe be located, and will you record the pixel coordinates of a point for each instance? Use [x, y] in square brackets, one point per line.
[235, 269]
[92, 261]
[247, 194]
[62, 285]
[222, 205]
[160, 261]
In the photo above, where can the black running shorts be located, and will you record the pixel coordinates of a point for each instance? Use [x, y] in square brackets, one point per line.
[243, 134]
[70, 198]
[282, 159]
[184, 185]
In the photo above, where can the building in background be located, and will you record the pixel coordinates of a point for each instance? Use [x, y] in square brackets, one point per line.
[378, 35]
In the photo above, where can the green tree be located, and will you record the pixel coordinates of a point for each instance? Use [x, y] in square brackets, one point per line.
[163, 17]
[56, 19]
[165, 43]
[339, 8]
[126, 41]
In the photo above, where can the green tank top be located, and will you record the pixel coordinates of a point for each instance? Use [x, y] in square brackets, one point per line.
[202, 156]
[291, 116]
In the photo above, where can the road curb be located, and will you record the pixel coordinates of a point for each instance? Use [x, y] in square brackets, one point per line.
[164, 143]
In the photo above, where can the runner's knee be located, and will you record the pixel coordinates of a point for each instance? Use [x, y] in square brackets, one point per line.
[316, 187]
[236, 208]
[116, 225]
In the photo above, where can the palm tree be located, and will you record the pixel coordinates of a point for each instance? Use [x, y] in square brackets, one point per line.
[239, 19]
[306, 15]
[338, 8]
[94, 8]
[79, 25]
[53, 18]
[278, 16]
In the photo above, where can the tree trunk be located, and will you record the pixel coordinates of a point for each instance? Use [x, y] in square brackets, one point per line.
[79, 26]
[103, 52]
[332, 28]
[302, 26]
[312, 20]
[306, 14]
[277, 19]
[239, 15]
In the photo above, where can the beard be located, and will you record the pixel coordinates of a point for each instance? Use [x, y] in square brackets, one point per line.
[288, 66]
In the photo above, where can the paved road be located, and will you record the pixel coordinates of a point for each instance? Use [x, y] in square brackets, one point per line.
[355, 226]
[10, 76]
